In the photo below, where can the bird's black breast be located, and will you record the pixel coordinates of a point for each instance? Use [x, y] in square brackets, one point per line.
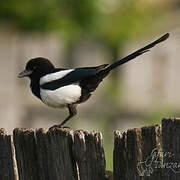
[35, 88]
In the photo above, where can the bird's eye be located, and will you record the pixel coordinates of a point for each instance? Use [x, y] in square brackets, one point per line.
[34, 67]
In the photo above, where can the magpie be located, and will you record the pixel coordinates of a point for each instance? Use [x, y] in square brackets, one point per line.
[59, 87]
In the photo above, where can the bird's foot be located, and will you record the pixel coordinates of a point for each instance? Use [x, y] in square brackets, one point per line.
[57, 126]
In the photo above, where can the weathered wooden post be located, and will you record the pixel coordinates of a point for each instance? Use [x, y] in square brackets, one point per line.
[171, 148]
[133, 157]
[59, 154]
[26, 156]
[89, 154]
[8, 168]
[63, 154]
[148, 153]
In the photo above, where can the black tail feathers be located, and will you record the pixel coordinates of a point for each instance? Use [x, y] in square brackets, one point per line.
[136, 53]
[91, 83]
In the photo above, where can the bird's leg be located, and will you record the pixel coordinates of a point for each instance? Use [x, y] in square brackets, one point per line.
[72, 112]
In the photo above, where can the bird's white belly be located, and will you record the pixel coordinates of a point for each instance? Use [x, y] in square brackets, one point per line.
[62, 96]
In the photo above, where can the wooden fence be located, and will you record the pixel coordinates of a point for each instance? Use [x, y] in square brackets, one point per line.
[139, 154]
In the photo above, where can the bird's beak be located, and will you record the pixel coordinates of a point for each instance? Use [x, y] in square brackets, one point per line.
[24, 73]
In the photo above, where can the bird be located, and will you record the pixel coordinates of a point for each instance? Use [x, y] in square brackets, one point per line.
[67, 88]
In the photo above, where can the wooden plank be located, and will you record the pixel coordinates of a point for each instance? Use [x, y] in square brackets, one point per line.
[55, 158]
[7, 166]
[119, 156]
[127, 154]
[25, 149]
[151, 147]
[89, 154]
[171, 148]
[133, 153]
[132, 156]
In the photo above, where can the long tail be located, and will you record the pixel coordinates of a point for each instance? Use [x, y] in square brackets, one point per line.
[136, 53]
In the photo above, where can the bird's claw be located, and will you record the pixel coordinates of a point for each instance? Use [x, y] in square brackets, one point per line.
[57, 126]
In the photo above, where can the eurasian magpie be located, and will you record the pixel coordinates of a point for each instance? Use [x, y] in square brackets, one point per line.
[58, 87]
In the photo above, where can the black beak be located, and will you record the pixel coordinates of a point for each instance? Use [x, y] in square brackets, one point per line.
[24, 73]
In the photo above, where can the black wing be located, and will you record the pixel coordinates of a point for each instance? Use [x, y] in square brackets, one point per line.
[75, 76]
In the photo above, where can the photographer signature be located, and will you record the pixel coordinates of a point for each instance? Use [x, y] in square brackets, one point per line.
[154, 161]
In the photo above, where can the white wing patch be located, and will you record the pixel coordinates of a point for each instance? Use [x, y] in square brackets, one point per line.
[54, 76]
[62, 96]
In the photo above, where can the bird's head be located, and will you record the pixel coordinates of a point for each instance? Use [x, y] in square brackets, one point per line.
[37, 67]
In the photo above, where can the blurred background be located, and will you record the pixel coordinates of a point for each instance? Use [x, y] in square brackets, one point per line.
[88, 33]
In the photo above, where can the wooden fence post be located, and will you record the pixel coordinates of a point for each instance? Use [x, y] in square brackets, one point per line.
[133, 158]
[171, 148]
[151, 153]
[54, 149]
[8, 169]
[26, 157]
[146, 153]
[89, 154]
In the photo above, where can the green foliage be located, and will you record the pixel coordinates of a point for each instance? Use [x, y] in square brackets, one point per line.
[25, 15]
[129, 19]
[66, 16]
[114, 21]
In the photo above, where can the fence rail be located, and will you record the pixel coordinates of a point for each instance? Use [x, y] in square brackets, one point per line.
[63, 154]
